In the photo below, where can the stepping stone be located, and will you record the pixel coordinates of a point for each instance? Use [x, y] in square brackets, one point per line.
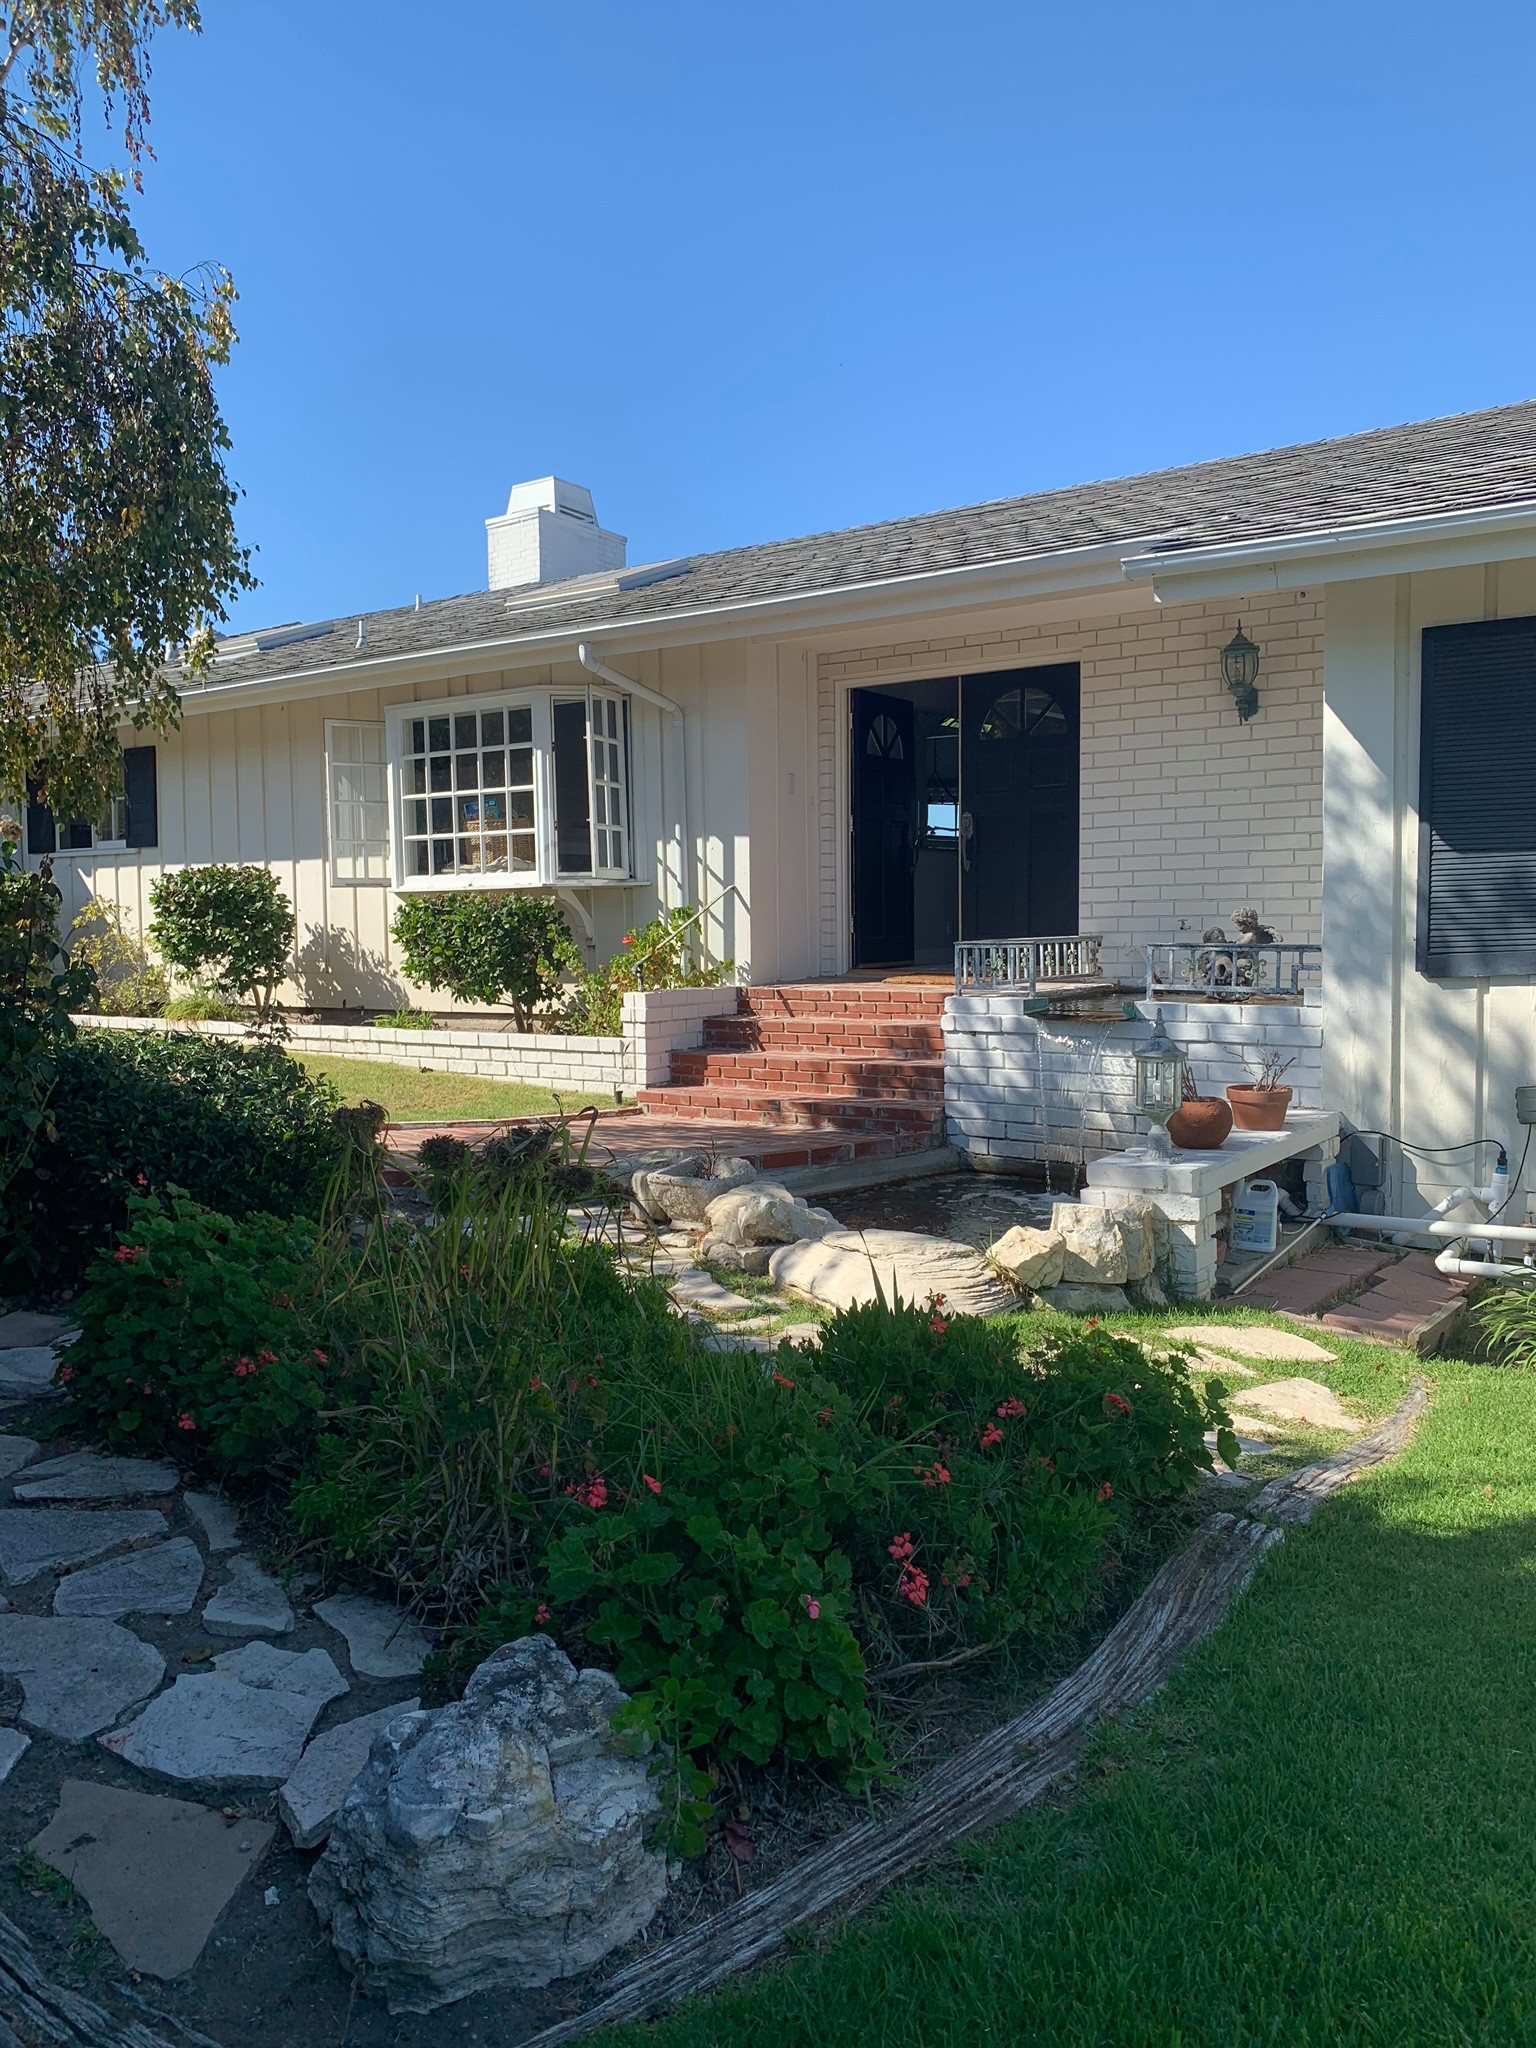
[841, 1270]
[382, 1641]
[1296, 1401]
[693, 1289]
[734, 1340]
[155, 1872]
[15, 1451]
[26, 1370]
[87, 1477]
[1280, 1346]
[38, 1540]
[25, 1327]
[312, 1797]
[164, 1579]
[244, 1722]
[13, 1747]
[217, 1519]
[76, 1676]
[801, 1333]
[251, 1604]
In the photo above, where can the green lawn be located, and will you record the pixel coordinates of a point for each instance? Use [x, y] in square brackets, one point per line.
[412, 1095]
[1321, 1835]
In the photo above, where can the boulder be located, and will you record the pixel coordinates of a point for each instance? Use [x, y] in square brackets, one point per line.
[685, 1198]
[742, 1258]
[1074, 1298]
[844, 1267]
[763, 1212]
[1029, 1258]
[1105, 1247]
[1145, 1229]
[495, 1843]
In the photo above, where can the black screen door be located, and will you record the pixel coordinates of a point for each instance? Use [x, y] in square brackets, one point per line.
[1019, 749]
[884, 786]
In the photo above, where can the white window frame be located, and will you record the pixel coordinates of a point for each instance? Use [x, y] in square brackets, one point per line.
[545, 873]
[333, 843]
[117, 809]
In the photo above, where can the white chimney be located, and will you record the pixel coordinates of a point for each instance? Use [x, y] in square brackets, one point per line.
[548, 534]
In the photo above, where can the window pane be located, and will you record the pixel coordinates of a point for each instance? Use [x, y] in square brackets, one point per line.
[442, 856]
[467, 771]
[442, 767]
[415, 777]
[464, 730]
[520, 808]
[437, 735]
[573, 812]
[416, 815]
[469, 810]
[520, 768]
[491, 728]
[418, 738]
[416, 857]
[442, 814]
[493, 771]
[522, 853]
[520, 728]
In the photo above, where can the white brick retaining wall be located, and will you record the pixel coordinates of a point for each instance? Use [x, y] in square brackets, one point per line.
[1019, 1088]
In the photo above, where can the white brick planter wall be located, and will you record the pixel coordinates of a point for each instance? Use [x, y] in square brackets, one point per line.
[1019, 1088]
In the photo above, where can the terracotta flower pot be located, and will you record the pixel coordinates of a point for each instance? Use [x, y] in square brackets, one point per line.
[1259, 1109]
[1201, 1125]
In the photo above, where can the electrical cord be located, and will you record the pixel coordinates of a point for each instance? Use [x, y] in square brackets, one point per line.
[1514, 1179]
[1429, 1151]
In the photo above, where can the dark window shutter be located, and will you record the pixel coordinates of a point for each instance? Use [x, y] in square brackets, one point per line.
[1477, 799]
[41, 836]
[142, 792]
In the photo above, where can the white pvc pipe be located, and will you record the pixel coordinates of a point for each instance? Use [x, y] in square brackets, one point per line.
[647, 695]
[1421, 1226]
[1480, 1269]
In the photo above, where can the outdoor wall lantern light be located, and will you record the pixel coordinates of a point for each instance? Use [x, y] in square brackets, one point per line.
[1159, 1085]
[1240, 671]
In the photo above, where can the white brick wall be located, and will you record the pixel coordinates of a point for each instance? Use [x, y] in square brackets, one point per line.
[1187, 814]
[658, 1020]
[1020, 1088]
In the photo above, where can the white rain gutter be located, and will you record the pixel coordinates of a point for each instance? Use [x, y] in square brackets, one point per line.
[647, 695]
[1345, 554]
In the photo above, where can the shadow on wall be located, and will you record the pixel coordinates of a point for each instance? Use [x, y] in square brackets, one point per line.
[334, 972]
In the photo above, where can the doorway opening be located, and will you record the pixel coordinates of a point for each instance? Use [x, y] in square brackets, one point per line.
[965, 806]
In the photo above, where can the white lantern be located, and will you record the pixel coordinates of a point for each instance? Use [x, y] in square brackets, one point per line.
[1159, 1084]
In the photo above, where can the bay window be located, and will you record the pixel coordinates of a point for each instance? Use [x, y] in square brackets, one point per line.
[525, 790]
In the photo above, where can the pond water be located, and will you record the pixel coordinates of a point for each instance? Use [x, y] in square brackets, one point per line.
[973, 1208]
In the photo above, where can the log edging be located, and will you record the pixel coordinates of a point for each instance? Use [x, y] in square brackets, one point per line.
[1003, 1772]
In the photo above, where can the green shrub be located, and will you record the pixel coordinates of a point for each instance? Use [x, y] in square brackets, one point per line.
[241, 1127]
[488, 946]
[203, 1006]
[232, 926]
[404, 1019]
[129, 981]
[1507, 1316]
[192, 1339]
[665, 953]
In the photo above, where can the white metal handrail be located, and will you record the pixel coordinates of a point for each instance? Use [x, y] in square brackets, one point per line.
[1020, 965]
[1182, 967]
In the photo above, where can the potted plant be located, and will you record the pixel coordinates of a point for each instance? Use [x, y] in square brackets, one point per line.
[1202, 1123]
[1261, 1104]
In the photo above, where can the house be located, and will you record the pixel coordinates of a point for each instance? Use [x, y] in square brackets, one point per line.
[855, 749]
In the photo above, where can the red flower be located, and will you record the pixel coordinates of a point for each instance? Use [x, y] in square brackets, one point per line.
[545, 1469]
[991, 1435]
[627, 940]
[780, 1381]
[1105, 1492]
[936, 1474]
[319, 1357]
[1011, 1407]
[591, 1493]
[1048, 1463]
[813, 1608]
[653, 1484]
[130, 1254]
[903, 1547]
[184, 1421]
[1090, 1322]
[824, 1415]
[937, 1325]
[534, 1384]
[1116, 1402]
[66, 1373]
[266, 1358]
[914, 1585]
[541, 1612]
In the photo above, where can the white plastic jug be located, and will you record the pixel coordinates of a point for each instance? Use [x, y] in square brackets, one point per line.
[1255, 1216]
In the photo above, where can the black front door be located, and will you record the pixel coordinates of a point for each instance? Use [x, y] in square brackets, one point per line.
[884, 784]
[1019, 735]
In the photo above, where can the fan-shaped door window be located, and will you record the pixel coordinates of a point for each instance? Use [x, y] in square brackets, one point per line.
[884, 739]
[1025, 714]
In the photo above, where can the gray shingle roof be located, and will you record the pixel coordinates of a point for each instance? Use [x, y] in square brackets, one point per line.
[1470, 462]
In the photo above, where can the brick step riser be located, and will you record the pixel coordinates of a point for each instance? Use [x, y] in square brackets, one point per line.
[919, 1006]
[866, 1141]
[829, 1112]
[919, 1082]
[897, 1041]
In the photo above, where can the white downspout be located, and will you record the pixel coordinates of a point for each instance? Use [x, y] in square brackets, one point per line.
[611, 676]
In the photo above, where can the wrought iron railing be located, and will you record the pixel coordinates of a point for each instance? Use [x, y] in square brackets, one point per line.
[1233, 973]
[1018, 966]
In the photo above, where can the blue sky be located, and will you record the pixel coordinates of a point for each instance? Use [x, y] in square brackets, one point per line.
[749, 272]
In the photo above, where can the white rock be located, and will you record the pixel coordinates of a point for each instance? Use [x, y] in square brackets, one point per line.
[685, 1198]
[308, 1803]
[1029, 1258]
[841, 1270]
[382, 1641]
[217, 1519]
[243, 1722]
[765, 1213]
[164, 1579]
[1094, 1245]
[27, 1369]
[76, 1676]
[741, 1258]
[1073, 1298]
[38, 1540]
[87, 1477]
[15, 1451]
[1294, 1401]
[496, 1843]
[1254, 1341]
[693, 1289]
[13, 1747]
[250, 1603]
